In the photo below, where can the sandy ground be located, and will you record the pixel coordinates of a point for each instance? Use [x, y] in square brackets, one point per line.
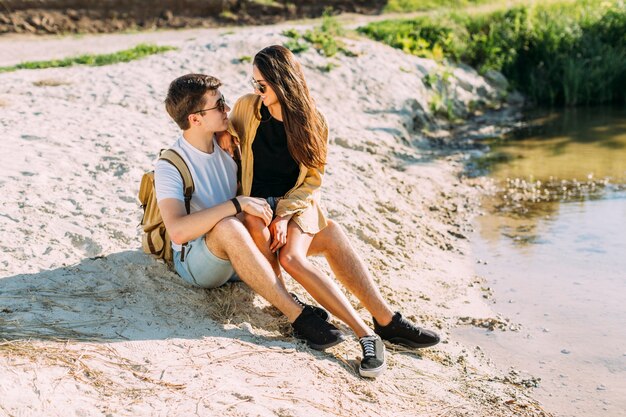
[93, 327]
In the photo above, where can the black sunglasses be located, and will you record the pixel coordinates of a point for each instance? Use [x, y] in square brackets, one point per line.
[220, 106]
[257, 86]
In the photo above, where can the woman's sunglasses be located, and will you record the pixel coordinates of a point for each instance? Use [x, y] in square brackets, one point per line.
[257, 86]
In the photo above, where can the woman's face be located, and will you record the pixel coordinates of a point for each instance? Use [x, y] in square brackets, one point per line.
[268, 96]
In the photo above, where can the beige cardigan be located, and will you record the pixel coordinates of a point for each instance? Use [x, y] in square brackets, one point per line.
[303, 200]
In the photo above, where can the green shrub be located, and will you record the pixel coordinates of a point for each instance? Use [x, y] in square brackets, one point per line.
[291, 33]
[296, 46]
[564, 53]
[425, 37]
[323, 38]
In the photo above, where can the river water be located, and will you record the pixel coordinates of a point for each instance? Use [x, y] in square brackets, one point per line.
[553, 251]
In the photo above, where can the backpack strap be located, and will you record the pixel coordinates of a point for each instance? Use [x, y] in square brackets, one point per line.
[179, 163]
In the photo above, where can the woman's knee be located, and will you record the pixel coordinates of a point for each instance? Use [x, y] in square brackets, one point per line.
[290, 260]
[254, 224]
[330, 239]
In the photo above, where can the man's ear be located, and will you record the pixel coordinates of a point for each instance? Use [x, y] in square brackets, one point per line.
[193, 120]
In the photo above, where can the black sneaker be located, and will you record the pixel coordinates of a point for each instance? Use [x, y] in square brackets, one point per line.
[318, 310]
[317, 333]
[373, 362]
[403, 332]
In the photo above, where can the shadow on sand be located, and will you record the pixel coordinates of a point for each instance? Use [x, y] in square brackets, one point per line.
[129, 296]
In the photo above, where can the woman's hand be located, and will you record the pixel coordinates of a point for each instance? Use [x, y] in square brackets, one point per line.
[278, 230]
[225, 141]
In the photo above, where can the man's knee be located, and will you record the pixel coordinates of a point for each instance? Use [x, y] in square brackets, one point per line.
[226, 230]
[334, 228]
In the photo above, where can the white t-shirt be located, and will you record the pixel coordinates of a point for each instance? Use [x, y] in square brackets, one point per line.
[214, 176]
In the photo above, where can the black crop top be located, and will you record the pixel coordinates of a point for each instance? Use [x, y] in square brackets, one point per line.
[274, 171]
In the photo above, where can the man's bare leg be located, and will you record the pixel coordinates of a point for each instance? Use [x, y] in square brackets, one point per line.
[230, 240]
[262, 238]
[350, 270]
[293, 258]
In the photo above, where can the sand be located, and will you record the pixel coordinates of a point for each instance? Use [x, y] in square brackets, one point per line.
[90, 326]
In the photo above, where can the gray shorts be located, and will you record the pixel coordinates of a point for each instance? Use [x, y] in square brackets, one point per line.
[201, 268]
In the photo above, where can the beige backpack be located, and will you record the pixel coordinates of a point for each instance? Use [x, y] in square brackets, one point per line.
[155, 240]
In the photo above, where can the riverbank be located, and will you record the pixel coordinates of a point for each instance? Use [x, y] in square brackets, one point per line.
[94, 327]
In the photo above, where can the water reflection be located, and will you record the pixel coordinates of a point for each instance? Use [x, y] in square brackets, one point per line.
[555, 238]
[575, 144]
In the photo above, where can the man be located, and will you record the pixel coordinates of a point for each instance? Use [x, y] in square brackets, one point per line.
[217, 243]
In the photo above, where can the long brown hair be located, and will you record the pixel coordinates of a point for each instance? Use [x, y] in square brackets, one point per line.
[306, 128]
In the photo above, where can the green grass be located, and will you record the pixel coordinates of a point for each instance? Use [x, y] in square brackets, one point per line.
[404, 6]
[138, 52]
[560, 53]
[272, 3]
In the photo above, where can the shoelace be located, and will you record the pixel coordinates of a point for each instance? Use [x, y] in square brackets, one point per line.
[369, 346]
[409, 326]
[297, 300]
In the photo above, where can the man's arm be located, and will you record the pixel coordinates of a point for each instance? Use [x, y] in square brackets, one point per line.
[183, 227]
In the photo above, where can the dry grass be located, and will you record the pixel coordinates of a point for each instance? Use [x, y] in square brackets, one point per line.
[49, 82]
[237, 304]
[49, 299]
[95, 365]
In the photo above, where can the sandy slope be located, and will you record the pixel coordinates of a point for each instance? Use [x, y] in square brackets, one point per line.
[97, 328]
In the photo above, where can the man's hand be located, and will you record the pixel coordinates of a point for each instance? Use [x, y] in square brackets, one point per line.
[256, 207]
[226, 142]
[278, 230]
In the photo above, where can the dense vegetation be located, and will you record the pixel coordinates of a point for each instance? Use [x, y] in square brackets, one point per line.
[562, 53]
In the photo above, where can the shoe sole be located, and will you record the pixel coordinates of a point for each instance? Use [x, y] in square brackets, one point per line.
[372, 373]
[326, 346]
[410, 343]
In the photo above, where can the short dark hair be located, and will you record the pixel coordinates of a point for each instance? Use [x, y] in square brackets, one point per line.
[186, 95]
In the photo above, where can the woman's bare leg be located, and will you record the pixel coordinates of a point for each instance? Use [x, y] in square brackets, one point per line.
[293, 259]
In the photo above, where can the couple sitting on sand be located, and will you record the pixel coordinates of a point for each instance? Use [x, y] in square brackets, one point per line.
[277, 220]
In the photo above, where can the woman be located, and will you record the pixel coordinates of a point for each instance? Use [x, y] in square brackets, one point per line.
[284, 141]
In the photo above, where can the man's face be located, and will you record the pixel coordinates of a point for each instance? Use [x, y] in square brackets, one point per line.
[213, 117]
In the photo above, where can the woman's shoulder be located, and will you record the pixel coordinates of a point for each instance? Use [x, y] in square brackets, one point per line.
[245, 107]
